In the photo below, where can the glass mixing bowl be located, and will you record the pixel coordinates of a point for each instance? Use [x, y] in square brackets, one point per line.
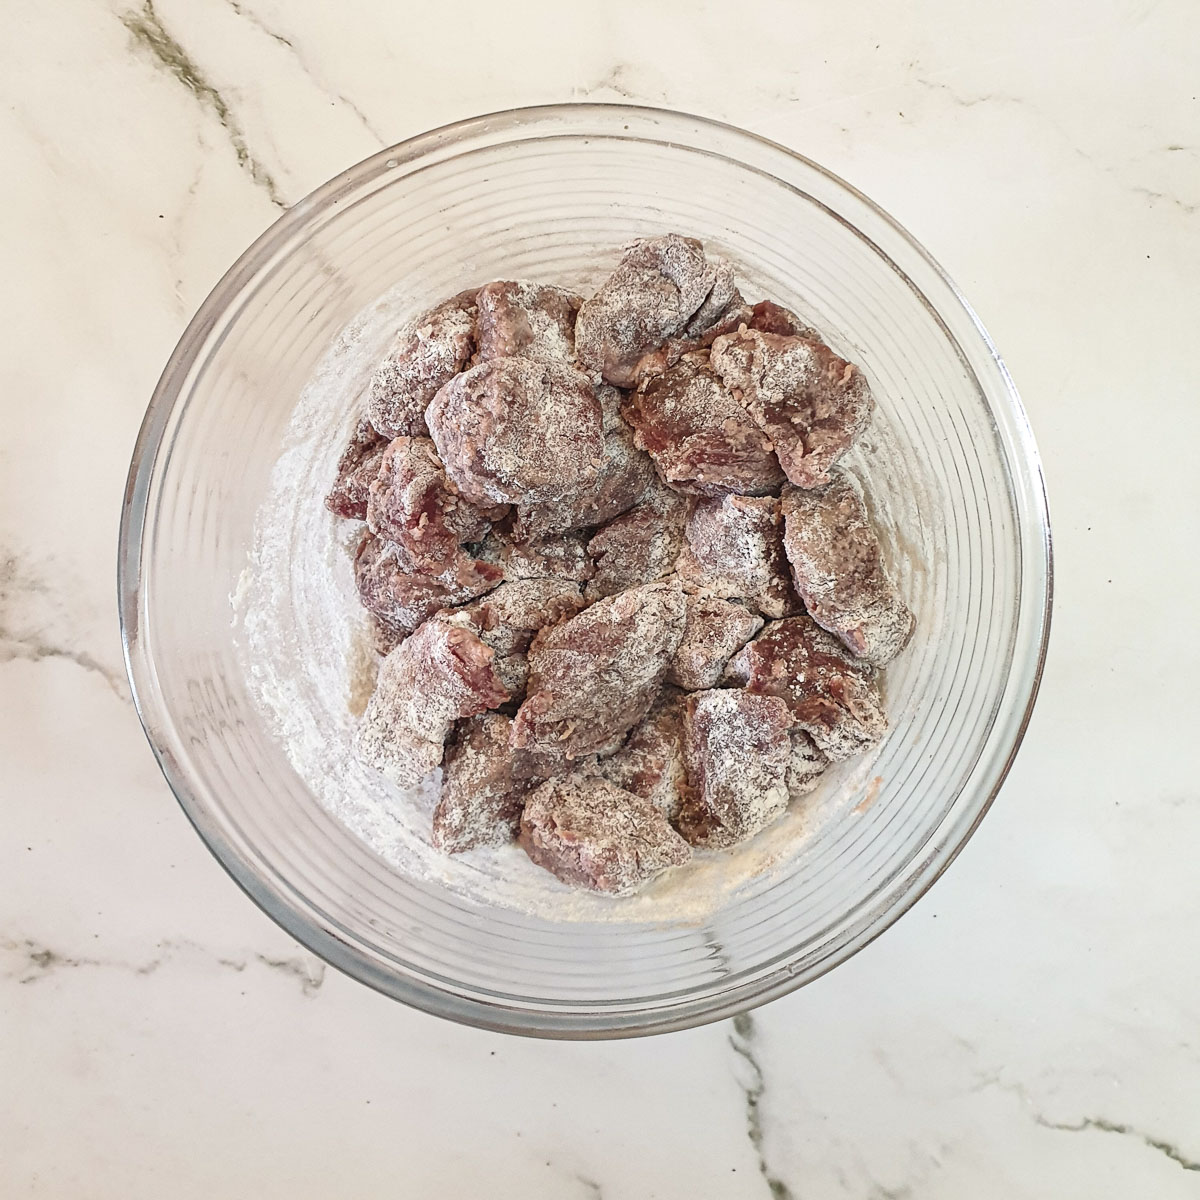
[550, 193]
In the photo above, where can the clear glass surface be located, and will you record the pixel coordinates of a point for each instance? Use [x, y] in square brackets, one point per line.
[533, 194]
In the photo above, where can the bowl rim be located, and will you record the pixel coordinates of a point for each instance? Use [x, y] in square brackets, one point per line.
[141, 673]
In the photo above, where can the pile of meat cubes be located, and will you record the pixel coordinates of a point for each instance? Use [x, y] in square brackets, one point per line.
[624, 597]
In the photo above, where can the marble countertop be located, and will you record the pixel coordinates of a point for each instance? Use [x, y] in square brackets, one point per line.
[1030, 1029]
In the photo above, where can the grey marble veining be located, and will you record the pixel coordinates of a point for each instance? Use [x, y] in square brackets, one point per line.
[151, 37]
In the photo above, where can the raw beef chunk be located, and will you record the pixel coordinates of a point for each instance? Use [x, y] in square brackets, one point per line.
[699, 434]
[805, 766]
[427, 353]
[639, 546]
[714, 631]
[622, 478]
[526, 320]
[837, 566]
[592, 678]
[518, 431]
[735, 549]
[769, 317]
[650, 763]
[480, 802]
[389, 587]
[594, 835]
[664, 288]
[736, 747]
[441, 673]
[507, 619]
[356, 470]
[412, 503]
[509, 616]
[810, 403]
[554, 556]
[832, 695]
